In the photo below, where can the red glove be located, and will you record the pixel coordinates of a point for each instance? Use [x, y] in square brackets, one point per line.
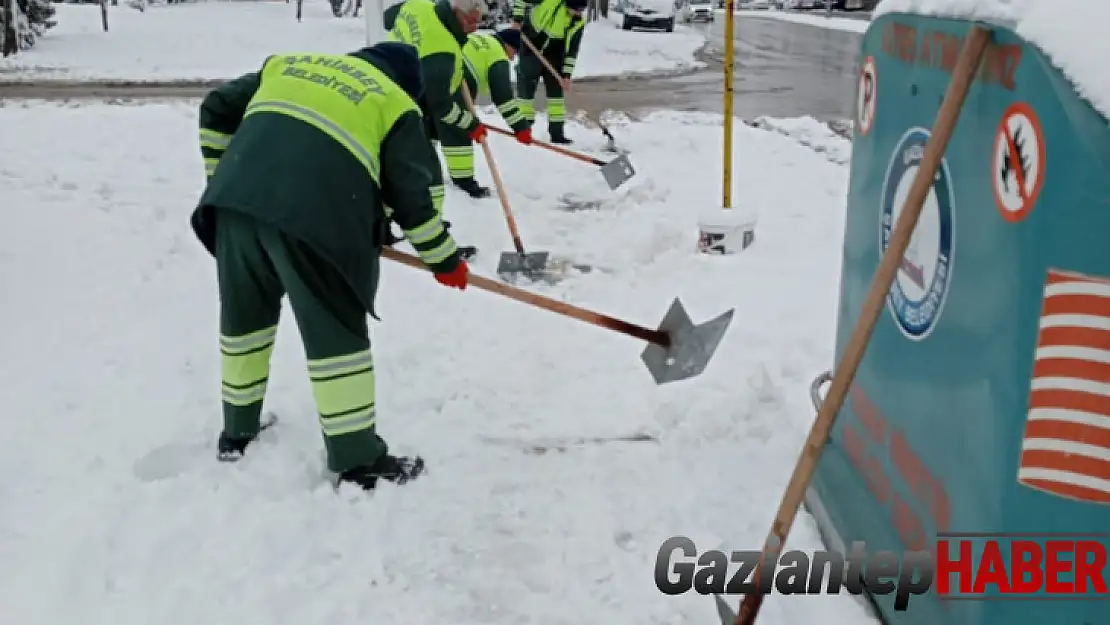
[524, 136]
[478, 135]
[456, 278]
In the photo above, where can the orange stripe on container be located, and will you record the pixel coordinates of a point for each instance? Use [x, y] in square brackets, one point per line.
[1071, 400]
[1056, 277]
[869, 416]
[1059, 461]
[1074, 336]
[1070, 491]
[1068, 431]
[1077, 305]
[1071, 368]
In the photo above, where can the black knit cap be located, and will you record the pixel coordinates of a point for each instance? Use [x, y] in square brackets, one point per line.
[577, 5]
[509, 37]
[400, 62]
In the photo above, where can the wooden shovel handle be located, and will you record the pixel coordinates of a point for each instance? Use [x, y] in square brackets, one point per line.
[558, 149]
[506, 208]
[845, 372]
[539, 55]
[657, 337]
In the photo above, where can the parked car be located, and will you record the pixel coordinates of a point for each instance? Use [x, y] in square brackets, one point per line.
[697, 10]
[832, 5]
[803, 4]
[751, 5]
[656, 14]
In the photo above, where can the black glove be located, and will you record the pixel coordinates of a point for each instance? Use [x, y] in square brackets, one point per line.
[388, 238]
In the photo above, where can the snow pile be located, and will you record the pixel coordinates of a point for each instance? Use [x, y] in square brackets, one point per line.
[111, 495]
[813, 134]
[623, 52]
[1070, 32]
[809, 19]
[221, 40]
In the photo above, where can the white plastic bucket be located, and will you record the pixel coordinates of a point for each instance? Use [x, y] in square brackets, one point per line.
[726, 231]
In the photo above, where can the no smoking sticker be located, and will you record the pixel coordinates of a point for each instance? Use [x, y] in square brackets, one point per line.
[867, 96]
[1019, 162]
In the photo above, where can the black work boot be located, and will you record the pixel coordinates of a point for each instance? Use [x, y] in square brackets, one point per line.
[397, 469]
[230, 449]
[555, 131]
[472, 188]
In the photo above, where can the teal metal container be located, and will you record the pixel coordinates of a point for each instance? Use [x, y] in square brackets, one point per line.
[966, 414]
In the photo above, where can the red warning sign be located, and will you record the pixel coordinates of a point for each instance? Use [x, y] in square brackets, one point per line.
[867, 97]
[1019, 162]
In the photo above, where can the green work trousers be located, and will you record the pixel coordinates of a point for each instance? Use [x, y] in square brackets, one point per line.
[257, 264]
[458, 152]
[530, 71]
[437, 190]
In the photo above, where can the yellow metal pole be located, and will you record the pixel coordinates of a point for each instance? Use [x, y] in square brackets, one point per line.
[730, 48]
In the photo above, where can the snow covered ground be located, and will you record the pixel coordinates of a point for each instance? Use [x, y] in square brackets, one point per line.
[809, 19]
[656, 52]
[219, 40]
[116, 513]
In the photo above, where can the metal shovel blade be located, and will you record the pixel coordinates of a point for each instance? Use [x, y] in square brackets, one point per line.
[618, 171]
[565, 265]
[531, 265]
[724, 611]
[691, 345]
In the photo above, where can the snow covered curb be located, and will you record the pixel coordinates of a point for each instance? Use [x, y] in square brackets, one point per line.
[226, 39]
[816, 19]
[823, 138]
[684, 68]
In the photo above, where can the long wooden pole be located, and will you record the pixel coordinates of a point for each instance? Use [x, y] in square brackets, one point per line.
[658, 337]
[845, 372]
[506, 208]
[730, 77]
[558, 149]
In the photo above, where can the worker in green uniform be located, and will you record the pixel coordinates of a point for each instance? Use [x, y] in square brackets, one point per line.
[438, 30]
[303, 157]
[487, 70]
[555, 28]
[520, 11]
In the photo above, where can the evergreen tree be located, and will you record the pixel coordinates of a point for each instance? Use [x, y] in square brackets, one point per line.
[22, 22]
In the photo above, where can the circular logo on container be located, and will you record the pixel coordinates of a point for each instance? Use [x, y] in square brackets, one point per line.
[920, 287]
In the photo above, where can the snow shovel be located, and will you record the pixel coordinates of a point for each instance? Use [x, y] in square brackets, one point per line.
[617, 171]
[678, 350]
[531, 265]
[611, 143]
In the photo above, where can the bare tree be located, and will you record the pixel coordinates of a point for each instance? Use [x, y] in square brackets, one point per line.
[11, 37]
